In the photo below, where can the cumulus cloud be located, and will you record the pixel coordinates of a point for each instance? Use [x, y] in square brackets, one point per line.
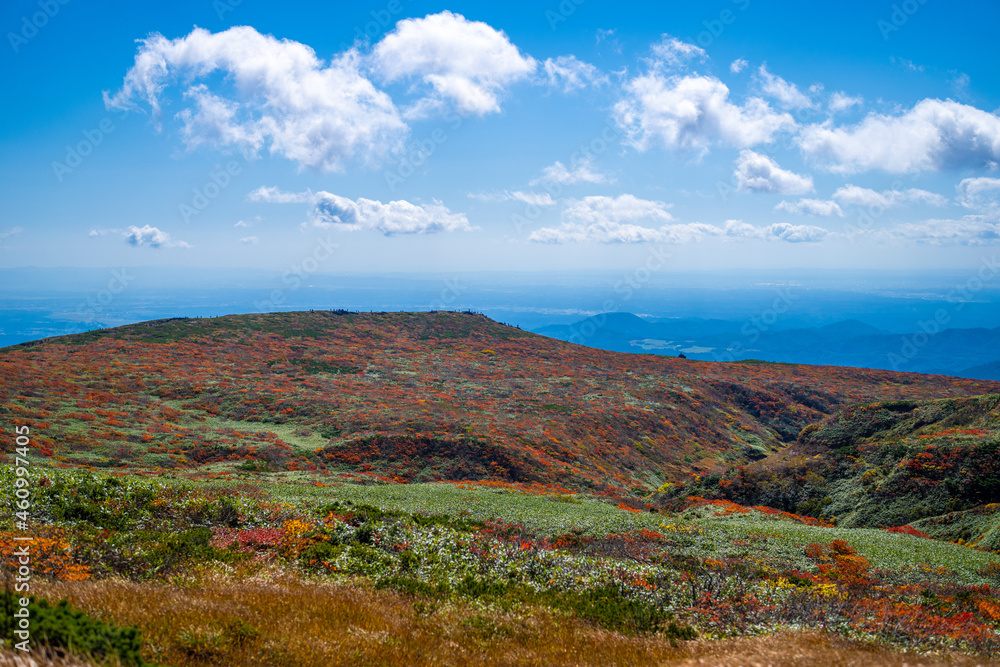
[394, 217]
[243, 223]
[152, 237]
[933, 135]
[330, 211]
[582, 172]
[841, 101]
[738, 65]
[693, 113]
[858, 196]
[672, 52]
[820, 207]
[249, 240]
[971, 230]
[980, 194]
[790, 233]
[567, 73]
[532, 198]
[759, 173]
[621, 209]
[787, 94]
[275, 94]
[465, 63]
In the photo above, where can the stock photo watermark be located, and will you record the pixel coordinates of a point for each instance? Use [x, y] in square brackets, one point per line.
[32, 24]
[911, 344]
[714, 27]
[381, 20]
[562, 12]
[450, 293]
[21, 621]
[582, 156]
[898, 17]
[625, 289]
[757, 325]
[223, 7]
[77, 153]
[96, 304]
[292, 279]
[418, 152]
[218, 180]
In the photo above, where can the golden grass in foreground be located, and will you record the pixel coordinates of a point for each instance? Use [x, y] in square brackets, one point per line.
[278, 620]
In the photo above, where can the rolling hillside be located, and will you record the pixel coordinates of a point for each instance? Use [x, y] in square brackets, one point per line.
[929, 464]
[415, 397]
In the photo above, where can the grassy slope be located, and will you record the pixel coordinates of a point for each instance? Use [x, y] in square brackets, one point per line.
[414, 397]
[933, 464]
[189, 611]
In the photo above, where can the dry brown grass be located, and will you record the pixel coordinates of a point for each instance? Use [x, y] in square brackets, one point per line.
[304, 623]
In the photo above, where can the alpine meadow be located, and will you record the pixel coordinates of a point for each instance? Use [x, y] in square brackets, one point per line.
[568, 333]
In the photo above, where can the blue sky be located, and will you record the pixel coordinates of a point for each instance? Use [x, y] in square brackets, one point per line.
[500, 136]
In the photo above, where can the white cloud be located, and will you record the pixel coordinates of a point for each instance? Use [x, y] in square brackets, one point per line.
[971, 230]
[738, 65]
[819, 207]
[858, 196]
[467, 63]
[582, 172]
[759, 173]
[243, 223]
[980, 194]
[103, 232]
[275, 195]
[841, 101]
[693, 113]
[787, 94]
[673, 52]
[395, 217]
[532, 198]
[784, 231]
[621, 209]
[603, 232]
[152, 237]
[330, 211]
[918, 196]
[567, 73]
[933, 135]
[599, 219]
[610, 231]
[960, 84]
[737, 229]
[282, 96]
[249, 240]
[906, 64]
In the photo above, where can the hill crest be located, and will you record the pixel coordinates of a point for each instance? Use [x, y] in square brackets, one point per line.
[415, 397]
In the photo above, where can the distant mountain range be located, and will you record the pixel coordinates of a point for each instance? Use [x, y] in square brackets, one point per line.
[969, 353]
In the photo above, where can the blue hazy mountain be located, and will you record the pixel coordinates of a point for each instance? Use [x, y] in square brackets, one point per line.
[969, 353]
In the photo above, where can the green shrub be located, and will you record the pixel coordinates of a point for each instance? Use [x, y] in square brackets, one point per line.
[321, 552]
[62, 627]
[608, 608]
[409, 586]
[408, 560]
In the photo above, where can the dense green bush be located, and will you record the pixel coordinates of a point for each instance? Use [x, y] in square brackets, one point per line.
[62, 627]
[609, 608]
